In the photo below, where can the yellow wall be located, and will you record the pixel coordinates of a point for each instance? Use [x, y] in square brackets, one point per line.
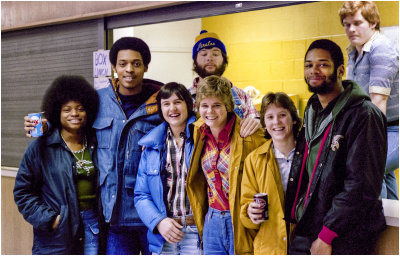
[266, 48]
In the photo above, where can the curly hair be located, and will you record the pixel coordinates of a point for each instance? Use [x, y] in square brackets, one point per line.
[369, 11]
[67, 88]
[280, 99]
[215, 86]
[181, 92]
[130, 43]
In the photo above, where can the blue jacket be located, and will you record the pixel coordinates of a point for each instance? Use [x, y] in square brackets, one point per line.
[151, 186]
[44, 188]
[119, 152]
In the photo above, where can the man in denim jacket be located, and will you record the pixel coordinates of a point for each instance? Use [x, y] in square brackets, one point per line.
[128, 110]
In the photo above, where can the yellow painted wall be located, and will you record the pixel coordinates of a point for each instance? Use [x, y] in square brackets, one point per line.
[266, 48]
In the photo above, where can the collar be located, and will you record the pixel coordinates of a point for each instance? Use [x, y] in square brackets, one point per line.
[53, 137]
[278, 153]
[367, 46]
[224, 135]
[196, 82]
[115, 83]
[170, 134]
[316, 105]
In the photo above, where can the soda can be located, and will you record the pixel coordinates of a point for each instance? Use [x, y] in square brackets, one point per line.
[37, 120]
[262, 199]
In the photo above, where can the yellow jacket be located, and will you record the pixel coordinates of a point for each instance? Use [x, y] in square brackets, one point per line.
[196, 186]
[261, 175]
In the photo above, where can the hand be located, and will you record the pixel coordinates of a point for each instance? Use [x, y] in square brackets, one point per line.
[170, 230]
[55, 223]
[29, 125]
[320, 247]
[248, 126]
[255, 213]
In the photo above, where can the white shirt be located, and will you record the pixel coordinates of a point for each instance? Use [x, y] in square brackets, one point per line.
[284, 165]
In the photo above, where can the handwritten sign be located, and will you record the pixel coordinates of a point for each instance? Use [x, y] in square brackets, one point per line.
[101, 82]
[101, 63]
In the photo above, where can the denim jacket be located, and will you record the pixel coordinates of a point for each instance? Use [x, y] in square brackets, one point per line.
[151, 186]
[119, 152]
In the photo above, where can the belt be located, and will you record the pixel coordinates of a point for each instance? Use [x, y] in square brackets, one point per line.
[189, 220]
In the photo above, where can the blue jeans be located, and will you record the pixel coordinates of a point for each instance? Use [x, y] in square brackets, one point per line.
[127, 240]
[91, 227]
[389, 186]
[218, 233]
[190, 244]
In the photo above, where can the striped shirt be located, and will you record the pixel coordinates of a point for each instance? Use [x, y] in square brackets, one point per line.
[178, 201]
[376, 69]
[246, 106]
[215, 164]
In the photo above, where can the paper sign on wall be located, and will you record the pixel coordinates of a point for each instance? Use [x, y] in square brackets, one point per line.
[101, 63]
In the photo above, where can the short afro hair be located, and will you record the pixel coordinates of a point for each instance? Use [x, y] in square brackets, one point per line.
[67, 88]
[330, 46]
[181, 92]
[130, 43]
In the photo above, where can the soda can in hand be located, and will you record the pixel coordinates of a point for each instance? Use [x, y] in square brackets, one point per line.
[37, 120]
[262, 199]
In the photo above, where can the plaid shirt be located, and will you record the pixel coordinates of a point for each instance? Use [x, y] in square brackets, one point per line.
[178, 201]
[249, 110]
[215, 163]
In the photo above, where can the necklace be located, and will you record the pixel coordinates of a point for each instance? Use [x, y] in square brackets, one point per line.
[80, 162]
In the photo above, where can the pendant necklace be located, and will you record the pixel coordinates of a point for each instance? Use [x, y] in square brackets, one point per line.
[80, 162]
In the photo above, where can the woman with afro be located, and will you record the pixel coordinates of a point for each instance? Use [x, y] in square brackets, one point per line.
[56, 185]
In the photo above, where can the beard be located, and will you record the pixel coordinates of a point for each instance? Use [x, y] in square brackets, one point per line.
[326, 87]
[203, 73]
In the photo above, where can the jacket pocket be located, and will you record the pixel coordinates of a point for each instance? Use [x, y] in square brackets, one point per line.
[152, 172]
[61, 223]
[130, 181]
[55, 238]
[103, 127]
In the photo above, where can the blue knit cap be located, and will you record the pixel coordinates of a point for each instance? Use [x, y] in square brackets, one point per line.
[207, 40]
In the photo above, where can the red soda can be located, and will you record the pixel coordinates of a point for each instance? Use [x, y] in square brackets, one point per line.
[262, 199]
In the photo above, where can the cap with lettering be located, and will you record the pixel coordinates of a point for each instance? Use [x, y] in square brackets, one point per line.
[207, 40]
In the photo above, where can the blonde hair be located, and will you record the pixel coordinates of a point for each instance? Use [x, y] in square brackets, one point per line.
[215, 86]
[369, 11]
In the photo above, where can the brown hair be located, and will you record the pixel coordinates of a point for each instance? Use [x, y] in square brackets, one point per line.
[369, 11]
[280, 99]
[215, 86]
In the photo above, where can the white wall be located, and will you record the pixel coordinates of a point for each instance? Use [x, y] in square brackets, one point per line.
[171, 49]
[392, 33]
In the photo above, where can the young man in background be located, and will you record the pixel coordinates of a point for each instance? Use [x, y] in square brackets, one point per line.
[374, 65]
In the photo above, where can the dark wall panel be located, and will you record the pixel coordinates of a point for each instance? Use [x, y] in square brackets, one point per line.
[30, 60]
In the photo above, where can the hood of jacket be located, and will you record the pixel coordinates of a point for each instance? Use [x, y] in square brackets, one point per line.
[352, 95]
[156, 137]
